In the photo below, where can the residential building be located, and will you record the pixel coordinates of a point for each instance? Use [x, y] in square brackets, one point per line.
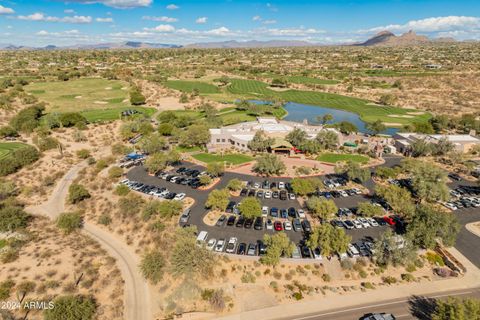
[462, 142]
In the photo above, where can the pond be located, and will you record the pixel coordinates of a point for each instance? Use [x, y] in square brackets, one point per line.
[298, 112]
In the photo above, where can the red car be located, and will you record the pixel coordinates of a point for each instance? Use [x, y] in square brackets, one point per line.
[389, 220]
[278, 226]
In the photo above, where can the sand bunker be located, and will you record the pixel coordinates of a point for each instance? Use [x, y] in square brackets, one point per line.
[392, 124]
[417, 113]
[78, 97]
[100, 102]
[108, 88]
[400, 116]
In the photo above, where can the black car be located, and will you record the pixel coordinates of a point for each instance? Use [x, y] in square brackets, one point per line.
[242, 248]
[454, 176]
[231, 221]
[230, 206]
[262, 248]
[251, 193]
[244, 192]
[306, 226]
[292, 212]
[195, 185]
[283, 195]
[266, 185]
[306, 252]
[273, 185]
[240, 222]
[248, 223]
[258, 225]
[170, 196]
[181, 170]
[179, 180]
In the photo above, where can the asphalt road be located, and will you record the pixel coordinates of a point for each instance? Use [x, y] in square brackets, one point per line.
[415, 307]
[467, 243]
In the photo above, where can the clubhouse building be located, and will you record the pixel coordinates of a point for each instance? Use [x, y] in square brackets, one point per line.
[239, 135]
[462, 143]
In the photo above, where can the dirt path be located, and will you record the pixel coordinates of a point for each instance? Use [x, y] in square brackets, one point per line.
[137, 299]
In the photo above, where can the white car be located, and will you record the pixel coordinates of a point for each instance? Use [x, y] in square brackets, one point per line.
[357, 224]
[372, 222]
[450, 206]
[124, 181]
[256, 185]
[220, 246]
[287, 225]
[268, 194]
[357, 191]
[174, 179]
[179, 197]
[211, 244]
[264, 211]
[317, 254]
[291, 196]
[343, 193]
[364, 222]
[269, 224]
[301, 213]
[231, 245]
[164, 193]
[281, 185]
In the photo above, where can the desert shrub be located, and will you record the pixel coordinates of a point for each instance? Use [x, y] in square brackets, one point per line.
[9, 255]
[122, 190]
[5, 289]
[12, 218]
[326, 277]
[83, 153]
[368, 285]
[115, 172]
[389, 280]
[410, 268]
[70, 119]
[248, 277]
[70, 221]
[104, 219]
[77, 193]
[130, 205]
[346, 264]
[434, 259]
[408, 277]
[72, 308]
[152, 266]
[297, 296]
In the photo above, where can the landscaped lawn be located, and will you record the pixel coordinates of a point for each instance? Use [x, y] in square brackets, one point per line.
[187, 149]
[113, 114]
[7, 147]
[335, 157]
[233, 159]
[189, 86]
[81, 94]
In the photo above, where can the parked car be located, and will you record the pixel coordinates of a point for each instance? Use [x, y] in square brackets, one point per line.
[274, 212]
[240, 222]
[353, 251]
[306, 226]
[283, 213]
[306, 254]
[297, 225]
[258, 225]
[389, 220]
[243, 192]
[185, 216]
[179, 196]
[221, 221]
[252, 249]
[348, 224]
[296, 253]
[317, 254]
[357, 224]
[248, 223]
[283, 195]
[264, 211]
[277, 225]
[211, 244]
[231, 245]
[262, 248]
[268, 194]
[220, 246]
[287, 225]
[269, 224]
[231, 221]
[281, 185]
[242, 248]
[291, 196]
[301, 213]
[292, 212]
[275, 194]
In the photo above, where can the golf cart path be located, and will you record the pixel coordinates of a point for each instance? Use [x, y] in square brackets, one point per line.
[137, 299]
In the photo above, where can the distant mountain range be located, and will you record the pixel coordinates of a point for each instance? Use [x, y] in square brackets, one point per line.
[387, 38]
[383, 38]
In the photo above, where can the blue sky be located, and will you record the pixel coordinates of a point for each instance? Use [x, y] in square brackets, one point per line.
[42, 22]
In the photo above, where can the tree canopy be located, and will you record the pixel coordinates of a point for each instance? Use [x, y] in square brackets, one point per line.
[269, 165]
[330, 239]
[278, 245]
[250, 207]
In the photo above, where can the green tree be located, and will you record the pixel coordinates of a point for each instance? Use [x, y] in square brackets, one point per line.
[152, 266]
[388, 99]
[391, 249]
[369, 210]
[195, 135]
[279, 245]
[79, 307]
[457, 309]
[136, 97]
[325, 118]
[400, 199]
[322, 208]
[296, 137]
[354, 171]
[188, 259]
[234, 185]
[77, 193]
[70, 221]
[375, 127]
[303, 187]
[205, 180]
[429, 224]
[346, 127]
[166, 129]
[152, 143]
[386, 172]
[218, 199]
[260, 142]
[170, 208]
[327, 139]
[429, 182]
[216, 169]
[268, 165]
[250, 207]
[443, 147]
[329, 239]
[420, 148]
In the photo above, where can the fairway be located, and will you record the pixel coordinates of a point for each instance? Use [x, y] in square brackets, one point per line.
[189, 86]
[7, 147]
[309, 80]
[82, 94]
[334, 158]
[232, 159]
[113, 114]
